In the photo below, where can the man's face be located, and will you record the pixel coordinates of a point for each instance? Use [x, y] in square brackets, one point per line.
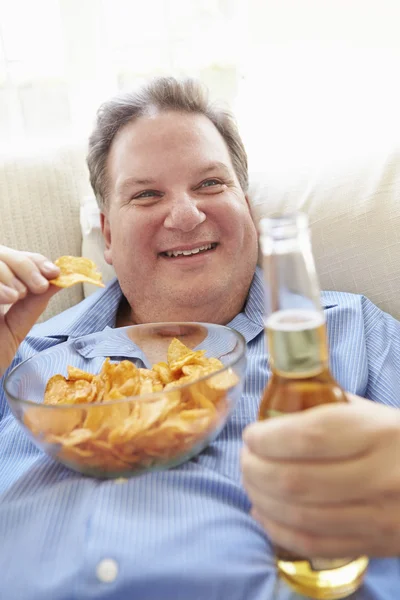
[178, 229]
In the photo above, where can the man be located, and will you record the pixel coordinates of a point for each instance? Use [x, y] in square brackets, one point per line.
[170, 174]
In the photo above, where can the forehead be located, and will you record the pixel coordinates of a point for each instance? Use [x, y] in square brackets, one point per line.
[165, 138]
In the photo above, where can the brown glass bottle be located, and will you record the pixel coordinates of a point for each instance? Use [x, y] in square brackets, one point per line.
[301, 378]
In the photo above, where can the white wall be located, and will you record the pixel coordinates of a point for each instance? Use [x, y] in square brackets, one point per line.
[305, 77]
[321, 75]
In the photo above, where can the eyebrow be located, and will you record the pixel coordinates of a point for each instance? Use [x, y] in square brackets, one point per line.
[214, 166]
[129, 181]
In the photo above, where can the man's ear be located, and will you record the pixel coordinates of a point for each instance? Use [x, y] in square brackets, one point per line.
[106, 231]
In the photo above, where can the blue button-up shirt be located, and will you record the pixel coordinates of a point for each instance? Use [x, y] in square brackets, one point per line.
[182, 534]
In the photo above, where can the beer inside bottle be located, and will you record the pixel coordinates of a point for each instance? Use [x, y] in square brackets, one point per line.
[300, 378]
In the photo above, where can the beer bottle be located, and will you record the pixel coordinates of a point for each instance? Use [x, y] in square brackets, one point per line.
[301, 378]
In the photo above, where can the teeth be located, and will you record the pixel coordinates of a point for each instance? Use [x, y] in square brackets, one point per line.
[189, 252]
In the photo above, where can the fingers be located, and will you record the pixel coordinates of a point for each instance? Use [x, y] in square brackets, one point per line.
[305, 543]
[325, 520]
[315, 482]
[48, 269]
[11, 289]
[23, 272]
[25, 290]
[339, 431]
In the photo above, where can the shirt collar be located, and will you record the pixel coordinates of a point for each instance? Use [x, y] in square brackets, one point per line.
[99, 311]
[250, 322]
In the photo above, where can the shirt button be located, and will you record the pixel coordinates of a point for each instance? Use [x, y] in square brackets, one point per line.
[107, 570]
[120, 480]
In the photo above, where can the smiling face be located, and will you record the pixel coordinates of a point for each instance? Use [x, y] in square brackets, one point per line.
[177, 228]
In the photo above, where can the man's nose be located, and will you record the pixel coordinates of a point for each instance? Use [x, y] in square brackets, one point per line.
[183, 214]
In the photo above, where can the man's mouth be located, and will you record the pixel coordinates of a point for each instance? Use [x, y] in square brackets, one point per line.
[189, 252]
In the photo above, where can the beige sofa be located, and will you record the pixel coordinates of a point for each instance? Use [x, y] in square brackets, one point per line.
[353, 203]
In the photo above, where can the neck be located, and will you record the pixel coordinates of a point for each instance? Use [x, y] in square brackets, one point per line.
[130, 315]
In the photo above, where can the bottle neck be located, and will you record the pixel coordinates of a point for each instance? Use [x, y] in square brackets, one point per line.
[297, 343]
[294, 318]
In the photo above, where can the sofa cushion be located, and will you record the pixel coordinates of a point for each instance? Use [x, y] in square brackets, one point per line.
[354, 208]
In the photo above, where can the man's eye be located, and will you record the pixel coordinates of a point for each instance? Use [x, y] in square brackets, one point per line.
[146, 194]
[210, 183]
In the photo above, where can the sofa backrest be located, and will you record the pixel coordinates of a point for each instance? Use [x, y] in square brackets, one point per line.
[354, 210]
[353, 204]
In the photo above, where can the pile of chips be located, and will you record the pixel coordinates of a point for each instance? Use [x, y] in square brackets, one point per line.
[105, 430]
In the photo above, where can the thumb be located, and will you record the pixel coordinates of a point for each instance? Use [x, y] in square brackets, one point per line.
[330, 431]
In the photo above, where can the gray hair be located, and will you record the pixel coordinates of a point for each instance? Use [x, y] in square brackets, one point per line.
[160, 94]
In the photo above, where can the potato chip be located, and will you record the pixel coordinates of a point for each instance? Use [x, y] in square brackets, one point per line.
[223, 381]
[76, 269]
[156, 411]
[52, 421]
[76, 437]
[61, 391]
[192, 358]
[199, 399]
[143, 417]
[191, 373]
[179, 382]
[131, 387]
[176, 351]
[173, 434]
[210, 363]
[163, 372]
[106, 418]
[121, 379]
[74, 374]
[146, 387]
[149, 374]
[107, 458]
[193, 370]
[72, 453]
[125, 431]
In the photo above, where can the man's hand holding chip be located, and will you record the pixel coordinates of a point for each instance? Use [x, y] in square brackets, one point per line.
[25, 284]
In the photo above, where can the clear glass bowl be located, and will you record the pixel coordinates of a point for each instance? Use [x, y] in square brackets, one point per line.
[140, 433]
